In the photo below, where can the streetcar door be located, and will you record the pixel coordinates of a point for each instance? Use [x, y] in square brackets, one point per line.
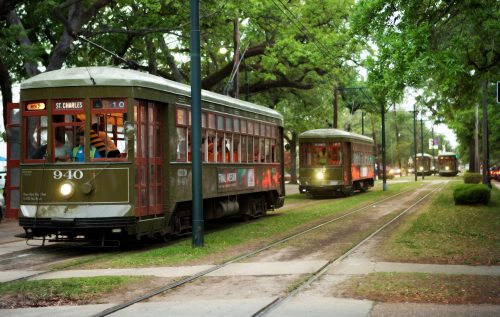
[148, 158]
[11, 189]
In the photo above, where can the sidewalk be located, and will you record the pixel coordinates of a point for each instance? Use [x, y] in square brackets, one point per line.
[9, 228]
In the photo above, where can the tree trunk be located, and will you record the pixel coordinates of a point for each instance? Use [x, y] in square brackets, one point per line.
[472, 156]
[6, 88]
[375, 145]
[293, 156]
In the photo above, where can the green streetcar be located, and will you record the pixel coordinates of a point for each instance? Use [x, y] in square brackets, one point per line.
[447, 164]
[106, 154]
[424, 164]
[333, 161]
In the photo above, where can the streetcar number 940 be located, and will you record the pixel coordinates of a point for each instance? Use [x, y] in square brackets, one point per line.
[69, 174]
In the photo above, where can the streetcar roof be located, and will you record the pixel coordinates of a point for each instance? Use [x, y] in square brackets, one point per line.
[334, 134]
[419, 155]
[112, 76]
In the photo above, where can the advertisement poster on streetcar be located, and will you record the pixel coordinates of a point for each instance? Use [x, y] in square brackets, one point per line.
[235, 178]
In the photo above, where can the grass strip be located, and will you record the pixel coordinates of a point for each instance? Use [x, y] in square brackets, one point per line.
[280, 222]
[446, 233]
[423, 288]
[60, 291]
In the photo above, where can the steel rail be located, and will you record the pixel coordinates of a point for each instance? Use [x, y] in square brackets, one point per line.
[233, 260]
[322, 270]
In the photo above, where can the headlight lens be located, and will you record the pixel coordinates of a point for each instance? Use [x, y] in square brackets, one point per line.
[447, 168]
[320, 174]
[67, 189]
[421, 168]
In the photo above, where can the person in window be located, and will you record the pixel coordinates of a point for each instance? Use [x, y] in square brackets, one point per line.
[78, 153]
[110, 147]
[97, 142]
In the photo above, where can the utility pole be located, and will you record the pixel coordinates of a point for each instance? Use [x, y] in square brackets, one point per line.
[415, 139]
[384, 179]
[476, 143]
[362, 122]
[335, 106]
[486, 167]
[197, 193]
[422, 145]
[433, 157]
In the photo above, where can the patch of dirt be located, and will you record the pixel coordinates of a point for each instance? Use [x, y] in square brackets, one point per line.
[232, 287]
[422, 288]
[333, 239]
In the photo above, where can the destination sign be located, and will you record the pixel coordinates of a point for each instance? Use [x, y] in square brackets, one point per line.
[68, 105]
[108, 104]
[34, 106]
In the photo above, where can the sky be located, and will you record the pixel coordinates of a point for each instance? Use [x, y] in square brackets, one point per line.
[443, 129]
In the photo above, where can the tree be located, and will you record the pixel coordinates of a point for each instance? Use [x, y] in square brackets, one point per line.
[446, 48]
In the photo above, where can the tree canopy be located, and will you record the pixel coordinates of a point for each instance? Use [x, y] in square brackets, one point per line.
[444, 48]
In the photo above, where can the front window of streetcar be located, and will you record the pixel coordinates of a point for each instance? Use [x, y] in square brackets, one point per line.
[321, 154]
[66, 136]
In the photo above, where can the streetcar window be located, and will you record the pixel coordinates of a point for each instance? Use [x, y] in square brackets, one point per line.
[211, 145]
[243, 126]
[220, 123]
[220, 140]
[68, 124]
[268, 150]
[107, 130]
[189, 156]
[243, 148]
[273, 151]
[181, 149]
[36, 137]
[236, 148]
[256, 151]
[250, 127]
[181, 116]
[229, 126]
[227, 147]
[236, 125]
[250, 156]
[262, 157]
[211, 121]
[203, 120]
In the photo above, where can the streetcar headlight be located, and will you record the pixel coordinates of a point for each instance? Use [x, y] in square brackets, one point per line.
[320, 175]
[421, 168]
[67, 189]
[447, 168]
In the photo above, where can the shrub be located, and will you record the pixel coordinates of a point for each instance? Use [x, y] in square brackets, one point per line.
[471, 194]
[472, 178]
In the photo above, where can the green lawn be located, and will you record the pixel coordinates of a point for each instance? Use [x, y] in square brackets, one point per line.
[449, 234]
[60, 291]
[423, 288]
[245, 236]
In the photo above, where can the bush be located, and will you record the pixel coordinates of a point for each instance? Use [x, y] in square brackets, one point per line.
[471, 194]
[472, 178]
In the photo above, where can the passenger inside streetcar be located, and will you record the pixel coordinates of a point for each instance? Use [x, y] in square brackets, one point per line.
[78, 153]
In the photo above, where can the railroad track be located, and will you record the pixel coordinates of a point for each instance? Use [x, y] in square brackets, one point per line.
[280, 300]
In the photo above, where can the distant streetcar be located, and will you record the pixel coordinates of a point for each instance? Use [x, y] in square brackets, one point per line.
[335, 162]
[106, 153]
[447, 164]
[424, 164]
